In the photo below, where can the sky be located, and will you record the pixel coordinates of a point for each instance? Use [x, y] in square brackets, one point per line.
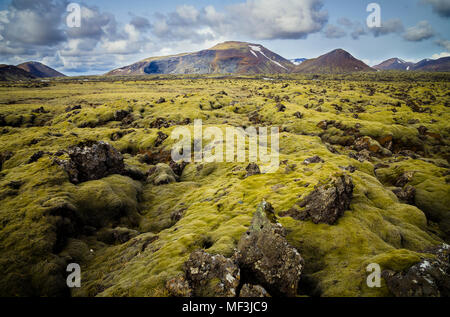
[117, 33]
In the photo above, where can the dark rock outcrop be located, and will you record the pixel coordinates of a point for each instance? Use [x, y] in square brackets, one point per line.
[252, 169]
[92, 160]
[314, 159]
[212, 275]
[327, 202]
[252, 291]
[266, 258]
[428, 278]
[179, 287]
[405, 194]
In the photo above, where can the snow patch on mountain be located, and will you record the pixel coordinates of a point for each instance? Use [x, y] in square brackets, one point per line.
[254, 48]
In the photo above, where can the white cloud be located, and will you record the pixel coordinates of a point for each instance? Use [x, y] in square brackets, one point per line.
[287, 19]
[440, 55]
[422, 31]
[444, 43]
[334, 32]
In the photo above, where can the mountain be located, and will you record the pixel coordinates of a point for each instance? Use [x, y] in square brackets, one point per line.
[40, 70]
[426, 65]
[394, 64]
[227, 57]
[11, 72]
[433, 65]
[298, 61]
[337, 61]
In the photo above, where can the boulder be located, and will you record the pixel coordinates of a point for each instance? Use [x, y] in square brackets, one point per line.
[266, 258]
[428, 278]
[405, 194]
[252, 291]
[212, 275]
[314, 159]
[91, 161]
[327, 203]
[179, 287]
[404, 179]
[252, 169]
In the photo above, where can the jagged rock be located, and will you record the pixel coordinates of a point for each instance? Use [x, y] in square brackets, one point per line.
[404, 179]
[328, 202]
[281, 107]
[252, 169]
[298, 115]
[360, 156]
[212, 275]
[161, 174]
[266, 258]
[160, 139]
[69, 108]
[40, 110]
[92, 160]
[406, 194]
[314, 159]
[160, 100]
[177, 214]
[160, 123]
[349, 168]
[295, 213]
[366, 143]
[254, 117]
[4, 156]
[36, 156]
[422, 130]
[249, 290]
[428, 278]
[129, 119]
[119, 115]
[179, 287]
[178, 167]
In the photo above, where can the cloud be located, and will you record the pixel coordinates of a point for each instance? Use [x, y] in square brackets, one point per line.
[444, 43]
[422, 31]
[288, 19]
[357, 29]
[140, 23]
[441, 7]
[440, 55]
[334, 32]
[388, 27]
[29, 22]
[255, 19]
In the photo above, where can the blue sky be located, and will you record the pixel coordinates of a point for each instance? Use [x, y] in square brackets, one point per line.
[118, 33]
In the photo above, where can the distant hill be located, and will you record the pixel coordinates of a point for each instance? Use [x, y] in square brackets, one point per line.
[298, 61]
[40, 70]
[426, 65]
[11, 72]
[394, 64]
[227, 57]
[337, 61]
[433, 65]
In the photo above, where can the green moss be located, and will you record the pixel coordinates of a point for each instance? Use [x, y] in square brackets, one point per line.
[216, 200]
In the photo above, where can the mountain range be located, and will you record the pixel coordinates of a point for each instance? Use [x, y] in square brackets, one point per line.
[247, 58]
[28, 70]
[237, 58]
[440, 65]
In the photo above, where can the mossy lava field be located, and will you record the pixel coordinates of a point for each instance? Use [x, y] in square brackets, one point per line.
[86, 177]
